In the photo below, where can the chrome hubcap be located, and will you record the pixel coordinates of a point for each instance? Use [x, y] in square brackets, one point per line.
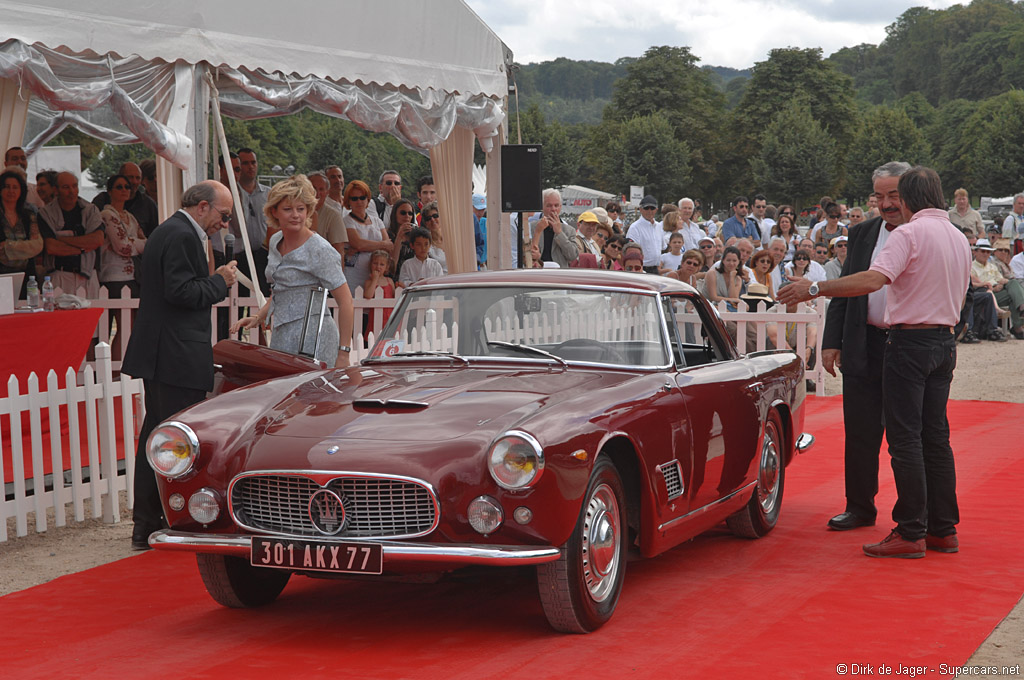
[600, 548]
[768, 475]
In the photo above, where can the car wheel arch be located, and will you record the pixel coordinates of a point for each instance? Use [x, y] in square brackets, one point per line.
[786, 417]
[624, 456]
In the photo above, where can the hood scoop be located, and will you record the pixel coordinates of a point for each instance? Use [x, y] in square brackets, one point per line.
[388, 404]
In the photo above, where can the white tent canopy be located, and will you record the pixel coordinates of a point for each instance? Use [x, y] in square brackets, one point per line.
[435, 77]
[577, 199]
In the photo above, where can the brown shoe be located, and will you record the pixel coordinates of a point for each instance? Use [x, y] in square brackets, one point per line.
[945, 544]
[895, 545]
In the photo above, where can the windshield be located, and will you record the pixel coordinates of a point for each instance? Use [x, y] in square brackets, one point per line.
[620, 328]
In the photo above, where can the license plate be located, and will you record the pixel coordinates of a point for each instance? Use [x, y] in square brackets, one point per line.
[334, 557]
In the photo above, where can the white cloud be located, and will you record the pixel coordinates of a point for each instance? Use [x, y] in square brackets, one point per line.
[734, 33]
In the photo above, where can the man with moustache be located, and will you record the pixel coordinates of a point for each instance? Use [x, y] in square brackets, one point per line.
[854, 341]
[925, 266]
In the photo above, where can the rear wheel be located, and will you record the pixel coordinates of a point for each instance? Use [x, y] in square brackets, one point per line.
[761, 512]
[580, 589]
[235, 583]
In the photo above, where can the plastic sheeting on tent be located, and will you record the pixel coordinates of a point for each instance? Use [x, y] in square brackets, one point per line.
[120, 76]
[134, 72]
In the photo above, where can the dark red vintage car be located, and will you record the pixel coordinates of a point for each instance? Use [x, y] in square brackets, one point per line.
[556, 418]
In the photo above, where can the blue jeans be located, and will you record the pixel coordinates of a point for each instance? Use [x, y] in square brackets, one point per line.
[916, 376]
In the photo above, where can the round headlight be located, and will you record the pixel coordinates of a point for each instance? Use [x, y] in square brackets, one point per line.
[204, 506]
[172, 449]
[485, 515]
[515, 460]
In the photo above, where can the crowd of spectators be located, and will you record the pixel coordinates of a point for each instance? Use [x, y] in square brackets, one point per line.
[390, 239]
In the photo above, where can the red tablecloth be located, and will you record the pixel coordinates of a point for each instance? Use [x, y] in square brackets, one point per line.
[42, 341]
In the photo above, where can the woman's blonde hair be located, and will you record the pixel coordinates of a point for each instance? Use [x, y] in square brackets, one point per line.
[299, 190]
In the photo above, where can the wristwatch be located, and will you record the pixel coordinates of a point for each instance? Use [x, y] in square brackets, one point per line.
[813, 290]
[344, 348]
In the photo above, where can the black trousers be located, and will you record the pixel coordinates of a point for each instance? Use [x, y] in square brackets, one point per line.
[162, 402]
[864, 425]
[918, 371]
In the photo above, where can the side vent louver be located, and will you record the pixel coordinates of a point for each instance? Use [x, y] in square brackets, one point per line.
[673, 478]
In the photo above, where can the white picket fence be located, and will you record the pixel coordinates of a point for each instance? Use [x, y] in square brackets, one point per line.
[98, 478]
[102, 477]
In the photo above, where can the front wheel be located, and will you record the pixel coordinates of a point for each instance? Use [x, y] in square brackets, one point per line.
[580, 589]
[761, 513]
[235, 583]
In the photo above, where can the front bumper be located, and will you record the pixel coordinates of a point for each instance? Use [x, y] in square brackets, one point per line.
[804, 442]
[240, 545]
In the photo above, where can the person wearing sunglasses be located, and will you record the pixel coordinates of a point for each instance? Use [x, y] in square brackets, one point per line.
[832, 228]
[125, 241]
[432, 223]
[366, 233]
[389, 191]
[615, 214]
[169, 348]
[837, 249]
[401, 225]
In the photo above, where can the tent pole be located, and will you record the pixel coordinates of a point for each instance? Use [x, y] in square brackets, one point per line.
[236, 199]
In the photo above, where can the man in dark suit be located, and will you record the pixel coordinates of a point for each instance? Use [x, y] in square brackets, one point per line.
[854, 341]
[170, 343]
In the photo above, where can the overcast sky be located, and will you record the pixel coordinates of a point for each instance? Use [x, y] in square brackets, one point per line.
[734, 33]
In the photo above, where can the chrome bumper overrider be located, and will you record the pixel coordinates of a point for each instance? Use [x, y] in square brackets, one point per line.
[804, 442]
[394, 552]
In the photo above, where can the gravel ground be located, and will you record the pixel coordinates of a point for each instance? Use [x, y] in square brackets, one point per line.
[38, 558]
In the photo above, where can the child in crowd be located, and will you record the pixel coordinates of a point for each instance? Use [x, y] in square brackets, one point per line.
[669, 262]
[421, 266]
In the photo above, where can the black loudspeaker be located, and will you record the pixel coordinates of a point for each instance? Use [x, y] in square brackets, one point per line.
[520, 178]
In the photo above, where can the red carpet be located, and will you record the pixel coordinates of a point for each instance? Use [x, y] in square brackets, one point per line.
[792, 605]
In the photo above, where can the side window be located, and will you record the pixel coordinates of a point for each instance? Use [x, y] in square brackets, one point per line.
[695, 344]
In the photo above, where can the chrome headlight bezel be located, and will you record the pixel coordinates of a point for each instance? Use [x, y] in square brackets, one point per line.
[508, 457]
[161, 454]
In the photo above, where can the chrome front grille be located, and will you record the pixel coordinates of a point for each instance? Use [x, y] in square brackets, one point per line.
[673, 479]
[375, 506]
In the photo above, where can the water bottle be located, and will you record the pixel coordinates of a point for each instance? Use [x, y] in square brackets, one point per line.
[32, 293]
[48, 296]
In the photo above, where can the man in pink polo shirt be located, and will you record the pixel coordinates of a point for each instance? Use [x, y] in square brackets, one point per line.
[926, 263]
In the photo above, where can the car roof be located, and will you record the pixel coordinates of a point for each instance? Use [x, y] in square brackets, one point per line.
[561, 278]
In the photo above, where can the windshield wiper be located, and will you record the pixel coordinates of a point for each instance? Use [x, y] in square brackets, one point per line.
[529, 350]
[422, 353]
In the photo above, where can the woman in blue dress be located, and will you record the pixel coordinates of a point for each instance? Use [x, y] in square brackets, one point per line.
[300, 260]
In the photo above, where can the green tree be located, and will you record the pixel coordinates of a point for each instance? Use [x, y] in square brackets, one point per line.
[560, 159]
[950, 148]
[89, 147]
[797, 158]
[790, 75]
[886, 134]
[112, 157]
[642, 150]
[993, 163]
[667, 81]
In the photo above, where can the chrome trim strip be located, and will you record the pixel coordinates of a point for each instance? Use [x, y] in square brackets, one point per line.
[804, 442]
[330, 475]
[493, 555]
[707, 507]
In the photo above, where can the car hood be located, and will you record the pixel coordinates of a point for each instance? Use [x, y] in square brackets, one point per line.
[419, 404]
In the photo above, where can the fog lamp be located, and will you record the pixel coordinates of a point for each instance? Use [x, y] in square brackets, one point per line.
[204, 506]
[485, 515]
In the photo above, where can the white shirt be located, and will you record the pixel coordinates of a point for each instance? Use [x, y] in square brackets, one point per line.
[692, 234]
[1017, 266]
[1013, 226]
[876, 300]
[815, 272]
[415, 269]
[670, 261]
[648, 235]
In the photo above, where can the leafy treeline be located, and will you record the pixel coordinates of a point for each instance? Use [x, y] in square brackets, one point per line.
[940, 90]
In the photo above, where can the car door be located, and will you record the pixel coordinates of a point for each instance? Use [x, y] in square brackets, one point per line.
[721, 401]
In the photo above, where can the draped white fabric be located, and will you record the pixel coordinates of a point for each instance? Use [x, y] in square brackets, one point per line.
[451, 163]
